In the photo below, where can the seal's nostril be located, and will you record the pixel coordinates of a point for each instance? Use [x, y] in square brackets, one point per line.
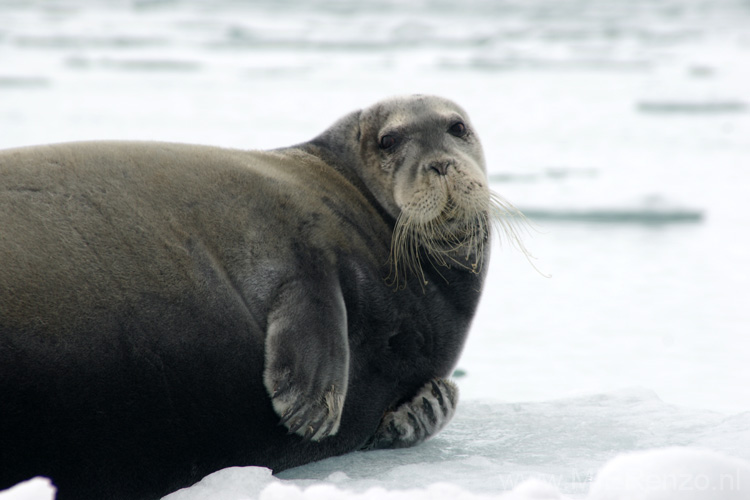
[439, 167]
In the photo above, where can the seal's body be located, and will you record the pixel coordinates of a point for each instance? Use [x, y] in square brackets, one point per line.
[168, 310]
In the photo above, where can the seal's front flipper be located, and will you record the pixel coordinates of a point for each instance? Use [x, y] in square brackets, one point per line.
[419, 419]
[307, 358]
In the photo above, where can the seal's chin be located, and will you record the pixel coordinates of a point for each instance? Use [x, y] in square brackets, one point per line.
[455, 238]
[459, 232]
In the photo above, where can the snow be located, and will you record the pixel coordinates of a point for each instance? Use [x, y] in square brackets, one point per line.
[38, 488]
[666, 473]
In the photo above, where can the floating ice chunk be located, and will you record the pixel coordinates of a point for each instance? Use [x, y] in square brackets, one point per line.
[615, 215]
[669, 473]
[649, 209]
[38, 488]
[693, 107]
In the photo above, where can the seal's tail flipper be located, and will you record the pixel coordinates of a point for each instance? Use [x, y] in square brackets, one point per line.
[419, 419]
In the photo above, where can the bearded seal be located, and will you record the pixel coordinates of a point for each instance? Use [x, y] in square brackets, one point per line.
[168, 310]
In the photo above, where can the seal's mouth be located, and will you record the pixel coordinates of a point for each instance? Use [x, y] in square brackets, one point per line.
[456, 223]
[450, 240]
[461, 241]
[455, 238]
[456, 231]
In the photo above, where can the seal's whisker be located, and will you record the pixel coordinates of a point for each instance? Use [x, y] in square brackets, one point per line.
[456, 238]
[510, 221]
[405, 255]
[416, 263]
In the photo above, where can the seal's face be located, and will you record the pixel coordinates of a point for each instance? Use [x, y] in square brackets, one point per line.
[424, 163]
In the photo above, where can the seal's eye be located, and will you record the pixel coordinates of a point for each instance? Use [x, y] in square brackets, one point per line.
[388, 141]
[458, 129]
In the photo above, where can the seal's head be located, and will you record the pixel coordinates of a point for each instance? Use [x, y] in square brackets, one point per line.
[420, 159]
[423, 161]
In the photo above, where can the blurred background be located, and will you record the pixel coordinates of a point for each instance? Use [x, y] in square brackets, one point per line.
[621, 127]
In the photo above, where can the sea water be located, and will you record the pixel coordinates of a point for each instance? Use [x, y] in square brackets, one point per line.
[620, 127]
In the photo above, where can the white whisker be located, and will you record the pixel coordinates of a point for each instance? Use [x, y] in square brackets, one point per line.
[457, 237]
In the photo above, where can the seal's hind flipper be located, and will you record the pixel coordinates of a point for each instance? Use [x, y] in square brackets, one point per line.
[419, 419]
